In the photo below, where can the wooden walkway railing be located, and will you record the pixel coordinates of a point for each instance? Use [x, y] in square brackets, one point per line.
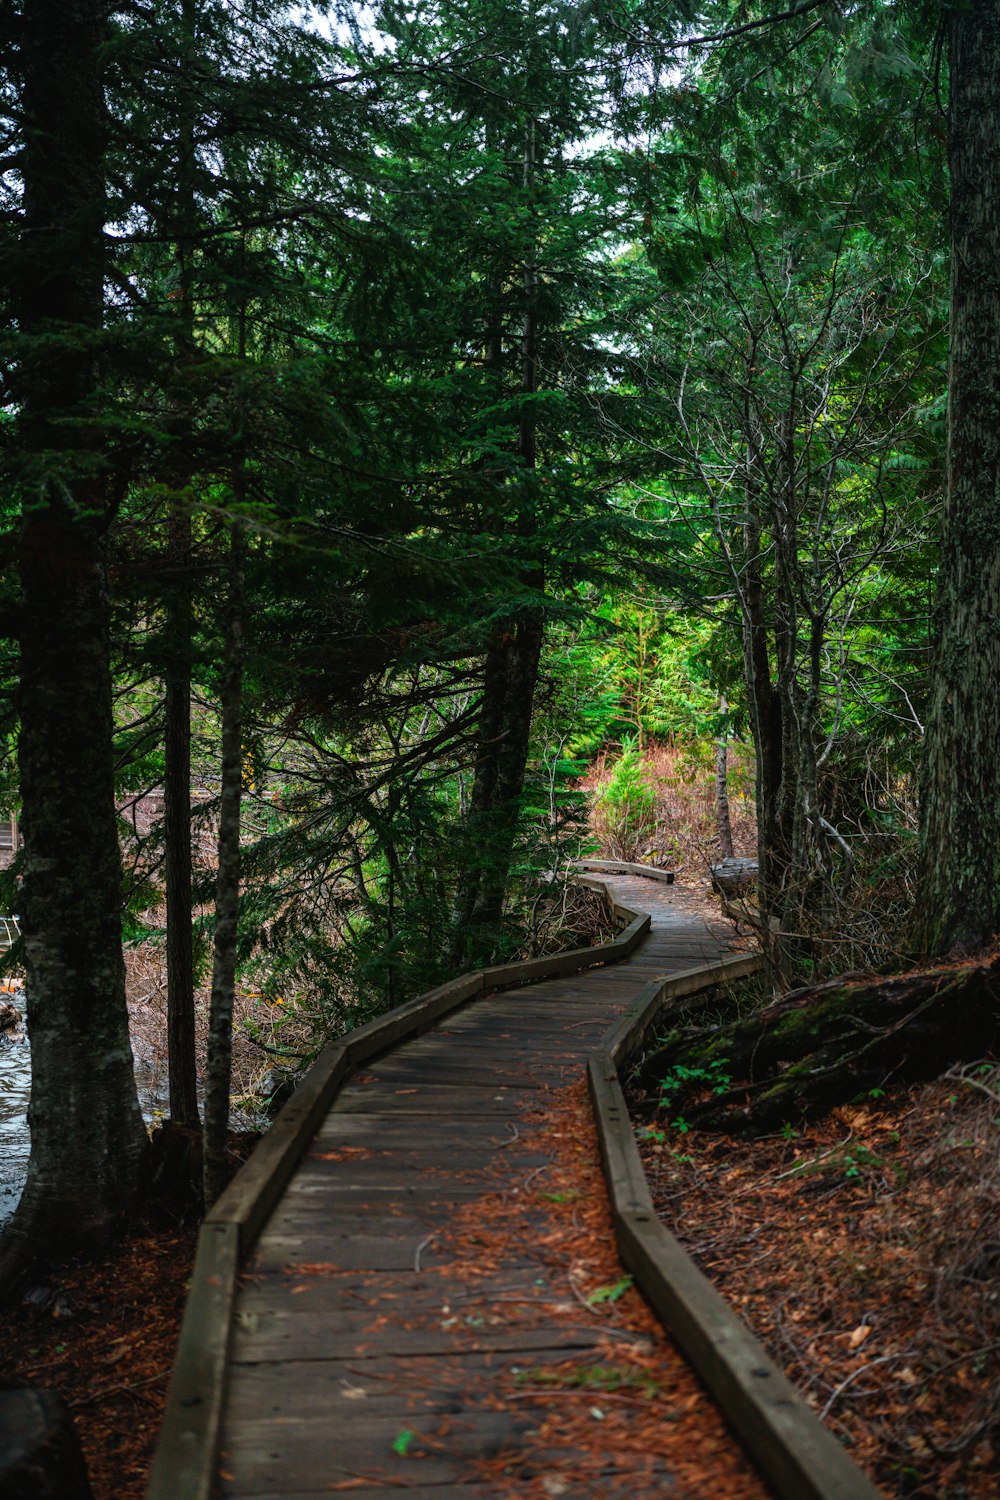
[329, 1254]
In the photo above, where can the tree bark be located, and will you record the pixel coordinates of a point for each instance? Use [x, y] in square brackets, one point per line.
[181, 1051]
[181, 1056]
[766, 722]
[218, 1072]
[89, 1144]
[723, 822]
[511, 674]
[959, 889]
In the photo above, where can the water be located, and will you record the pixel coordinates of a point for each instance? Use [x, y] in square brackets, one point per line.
[15, 1087]
[15, 1090]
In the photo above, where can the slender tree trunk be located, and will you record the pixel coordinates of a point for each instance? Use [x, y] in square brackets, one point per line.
[218, 1071]
[181, 1050]
[182, 1062]
[504, 734]
[766, 726]
[509, 681]
[959, 889]
[725, 827]
[89, 1144]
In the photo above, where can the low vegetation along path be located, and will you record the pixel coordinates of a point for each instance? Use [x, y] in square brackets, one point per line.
[435, 1306]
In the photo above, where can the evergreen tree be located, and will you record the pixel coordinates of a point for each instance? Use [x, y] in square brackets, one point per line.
[88, 1140]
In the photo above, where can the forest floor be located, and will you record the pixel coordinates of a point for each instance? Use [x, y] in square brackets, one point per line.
[101, 1331]
[863, 1249]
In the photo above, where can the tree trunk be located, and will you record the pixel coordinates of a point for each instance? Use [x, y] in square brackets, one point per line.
[504, 733]
[182, 1061]
[218, 1072]
[725, 827]
[510, 678]
[89, 1144]
[959, 889]
[181, 1051]
[766, 725]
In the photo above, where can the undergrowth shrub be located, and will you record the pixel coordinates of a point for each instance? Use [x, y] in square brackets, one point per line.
[624, 806]
[678, 781]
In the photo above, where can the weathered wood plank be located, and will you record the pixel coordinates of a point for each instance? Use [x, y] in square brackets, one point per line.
[440, 1451]
[505, 1099]
[626, 867]
[304, 1390]
[275, 1341]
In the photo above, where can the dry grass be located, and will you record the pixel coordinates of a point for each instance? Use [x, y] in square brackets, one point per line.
[268, 1035]
[681, 776]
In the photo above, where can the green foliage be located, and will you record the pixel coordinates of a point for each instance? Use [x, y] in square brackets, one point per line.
[854, 1162]
[713, 1078]
[625, 805]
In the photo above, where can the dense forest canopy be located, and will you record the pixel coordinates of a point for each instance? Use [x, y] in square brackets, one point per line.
[410, 410]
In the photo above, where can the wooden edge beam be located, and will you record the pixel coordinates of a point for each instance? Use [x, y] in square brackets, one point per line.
[574, 960]
[797, 1455]
[629, 1031]
[185, 1458]
[625, 867]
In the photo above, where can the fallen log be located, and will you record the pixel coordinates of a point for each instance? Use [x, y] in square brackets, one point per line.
[733, 875]
[827, 1044]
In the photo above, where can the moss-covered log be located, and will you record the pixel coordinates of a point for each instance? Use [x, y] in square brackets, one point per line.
[827, 1044]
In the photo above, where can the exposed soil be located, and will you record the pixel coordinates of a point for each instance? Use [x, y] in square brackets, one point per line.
[864, 1249]
[101, 1331]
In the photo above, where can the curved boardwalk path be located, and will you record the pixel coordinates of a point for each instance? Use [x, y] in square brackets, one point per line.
[366, 1342]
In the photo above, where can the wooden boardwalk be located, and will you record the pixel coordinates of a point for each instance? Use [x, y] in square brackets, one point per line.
[367, 1352]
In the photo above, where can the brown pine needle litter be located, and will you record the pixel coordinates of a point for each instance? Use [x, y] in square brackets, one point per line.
[864, 1250]
[627, 1418]
[102, 1334]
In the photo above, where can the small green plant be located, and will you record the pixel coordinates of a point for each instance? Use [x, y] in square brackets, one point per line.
[609, 1293]
[855, 1163]
[712, 1077]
